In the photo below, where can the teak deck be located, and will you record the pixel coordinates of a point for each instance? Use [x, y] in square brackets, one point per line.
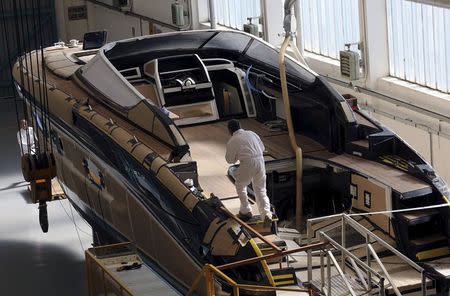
[396, 179]
[208, 146]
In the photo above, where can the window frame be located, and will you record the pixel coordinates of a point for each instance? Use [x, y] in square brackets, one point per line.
[324, 51]
[428, 73]
[230, 21]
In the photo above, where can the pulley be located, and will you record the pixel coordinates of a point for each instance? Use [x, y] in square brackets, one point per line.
[38, 166]
[39, 170]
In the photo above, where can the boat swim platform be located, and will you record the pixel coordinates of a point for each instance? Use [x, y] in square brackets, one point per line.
[119, 270]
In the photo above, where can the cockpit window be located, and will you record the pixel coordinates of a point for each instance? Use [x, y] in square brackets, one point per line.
[184, 40]
[266, 54]
[229, 41]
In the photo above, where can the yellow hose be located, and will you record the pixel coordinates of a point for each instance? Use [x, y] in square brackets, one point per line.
[298, 55]
[293, 141]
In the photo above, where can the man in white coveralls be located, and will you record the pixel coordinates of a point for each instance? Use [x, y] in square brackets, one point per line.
[247, 147]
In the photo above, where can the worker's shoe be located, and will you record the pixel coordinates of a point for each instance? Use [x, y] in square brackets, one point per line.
[245, 217]
[267, 222]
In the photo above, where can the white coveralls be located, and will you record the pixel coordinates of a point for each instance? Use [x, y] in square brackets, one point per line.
[26, 139]
[247, 147]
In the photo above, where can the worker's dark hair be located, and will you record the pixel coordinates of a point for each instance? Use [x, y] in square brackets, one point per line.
[233, 125]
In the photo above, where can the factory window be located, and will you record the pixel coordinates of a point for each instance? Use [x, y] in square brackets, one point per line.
[327, 25]
[77, 13]
[419, 43]
[234, 13]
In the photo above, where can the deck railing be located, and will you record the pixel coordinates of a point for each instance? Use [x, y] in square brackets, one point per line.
[210, 273]
[343, 221]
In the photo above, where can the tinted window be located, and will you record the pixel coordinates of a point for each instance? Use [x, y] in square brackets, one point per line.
[268, 55]
[229, 41]
[185, 40]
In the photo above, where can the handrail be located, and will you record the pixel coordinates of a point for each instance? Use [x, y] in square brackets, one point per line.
[347, 220]
[309, 235]
[337, 246]
[361, 230]
[364, 231]
[253, 231]
[209, 268]
[341, 273]
[386, 273]
[271, 256]
[209, 271]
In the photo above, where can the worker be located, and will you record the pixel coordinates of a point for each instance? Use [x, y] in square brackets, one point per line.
[247, 147]
[26, 138]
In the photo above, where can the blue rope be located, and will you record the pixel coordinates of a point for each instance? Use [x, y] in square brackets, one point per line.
[248, 82]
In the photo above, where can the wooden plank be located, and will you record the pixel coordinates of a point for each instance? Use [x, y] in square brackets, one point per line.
[392, 177]
[57, 191]
[209, 148]
[259, 128]
[221, 186]
[233, 205]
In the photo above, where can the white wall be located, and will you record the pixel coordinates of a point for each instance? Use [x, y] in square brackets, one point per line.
[69, 29]
[118, 25]
[157, 9]
[273, 22]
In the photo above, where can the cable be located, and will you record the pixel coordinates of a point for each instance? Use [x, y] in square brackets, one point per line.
[73, 219]
[258, 92]
[45, 107]
[278, 125]
[25, 33]
[46, 113]
[10, 67]
[268, 95]
[28, 48]
[248, 82]
[76, 229]
[74, 224]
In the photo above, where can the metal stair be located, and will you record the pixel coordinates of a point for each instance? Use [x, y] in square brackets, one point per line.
[344, 273]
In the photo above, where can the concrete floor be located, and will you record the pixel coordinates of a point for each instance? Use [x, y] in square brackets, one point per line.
[32, 262]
